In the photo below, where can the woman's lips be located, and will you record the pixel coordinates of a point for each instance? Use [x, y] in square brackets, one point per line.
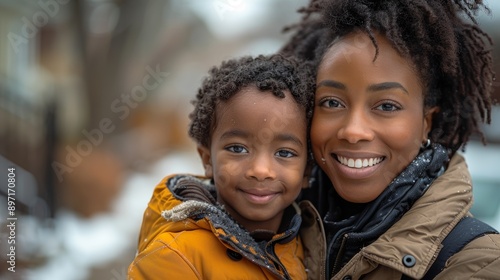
[357, 167]
[359, 162]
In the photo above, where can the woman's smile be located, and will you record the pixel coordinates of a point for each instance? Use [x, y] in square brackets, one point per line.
[359, 162]
[356, 167]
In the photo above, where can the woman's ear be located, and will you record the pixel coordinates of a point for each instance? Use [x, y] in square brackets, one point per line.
[428, 116]
[206, 159]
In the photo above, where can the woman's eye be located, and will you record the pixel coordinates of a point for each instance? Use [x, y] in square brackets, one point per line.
[285, 154]
[237, 149]
[388, 107]
[331, 103]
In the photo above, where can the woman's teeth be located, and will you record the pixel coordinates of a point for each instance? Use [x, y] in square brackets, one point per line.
[359, 163]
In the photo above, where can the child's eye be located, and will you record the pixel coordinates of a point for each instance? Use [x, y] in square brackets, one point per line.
[330, 103]
[388, 107]
[285, 154]
[237, 149]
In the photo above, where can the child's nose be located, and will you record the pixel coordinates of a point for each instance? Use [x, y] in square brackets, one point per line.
[261, 168]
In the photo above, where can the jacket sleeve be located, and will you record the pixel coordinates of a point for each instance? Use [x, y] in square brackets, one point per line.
[159, 261]
[480, 259]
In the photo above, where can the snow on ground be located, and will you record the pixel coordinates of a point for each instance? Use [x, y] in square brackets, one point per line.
[73, 246]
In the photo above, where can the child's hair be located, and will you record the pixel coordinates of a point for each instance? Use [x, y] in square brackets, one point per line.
[268, 73]
[451, 54]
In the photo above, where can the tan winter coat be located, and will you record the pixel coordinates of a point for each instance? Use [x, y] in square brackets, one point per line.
[419, 233]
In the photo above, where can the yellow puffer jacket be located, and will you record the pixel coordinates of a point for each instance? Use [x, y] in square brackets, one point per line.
[185, 235]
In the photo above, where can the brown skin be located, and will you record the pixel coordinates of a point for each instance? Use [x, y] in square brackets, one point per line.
[257, 156]
[368, 114]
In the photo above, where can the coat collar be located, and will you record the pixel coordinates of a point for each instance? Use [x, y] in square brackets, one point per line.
[198, 204]
[421, 230]
[350, 233]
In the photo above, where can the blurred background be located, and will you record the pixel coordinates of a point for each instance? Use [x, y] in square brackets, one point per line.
[94, 104]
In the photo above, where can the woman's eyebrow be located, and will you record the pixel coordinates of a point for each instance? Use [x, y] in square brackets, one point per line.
[374, 87]
[386, 86]
[332, 83]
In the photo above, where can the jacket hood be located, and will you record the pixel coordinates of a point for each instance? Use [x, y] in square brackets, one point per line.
[153, 222]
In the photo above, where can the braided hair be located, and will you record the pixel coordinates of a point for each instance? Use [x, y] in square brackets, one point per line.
[273, 74]
[451, 54]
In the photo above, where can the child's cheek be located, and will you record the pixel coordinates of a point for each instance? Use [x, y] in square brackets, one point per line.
[228, 172]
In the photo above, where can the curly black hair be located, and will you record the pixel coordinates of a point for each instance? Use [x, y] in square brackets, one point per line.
[275, 73]
[452, 55]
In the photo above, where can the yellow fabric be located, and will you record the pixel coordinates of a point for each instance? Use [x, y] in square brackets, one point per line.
[190, 249]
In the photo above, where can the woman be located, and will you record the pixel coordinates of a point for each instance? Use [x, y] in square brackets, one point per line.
[401, 86]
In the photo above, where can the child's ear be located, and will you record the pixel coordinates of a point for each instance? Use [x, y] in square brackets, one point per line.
[206, 159]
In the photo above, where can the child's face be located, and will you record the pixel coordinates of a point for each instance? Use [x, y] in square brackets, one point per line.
[257, 156]
[369, 120]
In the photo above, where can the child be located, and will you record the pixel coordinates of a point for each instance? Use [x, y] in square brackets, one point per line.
[250, 122]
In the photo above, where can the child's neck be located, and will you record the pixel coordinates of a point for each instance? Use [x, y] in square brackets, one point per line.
[271, 225]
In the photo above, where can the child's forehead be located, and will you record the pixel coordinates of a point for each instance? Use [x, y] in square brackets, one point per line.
[258, 101]
[255, 112]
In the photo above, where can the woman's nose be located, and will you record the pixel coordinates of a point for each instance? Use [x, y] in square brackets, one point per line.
[356, 127]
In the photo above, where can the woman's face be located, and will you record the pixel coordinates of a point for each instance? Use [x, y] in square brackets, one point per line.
[369, 119]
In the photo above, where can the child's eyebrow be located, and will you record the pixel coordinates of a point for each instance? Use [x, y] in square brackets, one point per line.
[288, 137]
[234, 133]
[279, 137]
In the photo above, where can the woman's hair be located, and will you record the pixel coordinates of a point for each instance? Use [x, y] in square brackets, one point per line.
[451, 54]
[268, 73]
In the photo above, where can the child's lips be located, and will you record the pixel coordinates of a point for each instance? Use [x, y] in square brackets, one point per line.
[259, 197]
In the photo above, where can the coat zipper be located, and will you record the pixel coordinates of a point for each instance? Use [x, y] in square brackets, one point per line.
[272, 255]
[339, 254]
[329, 249]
